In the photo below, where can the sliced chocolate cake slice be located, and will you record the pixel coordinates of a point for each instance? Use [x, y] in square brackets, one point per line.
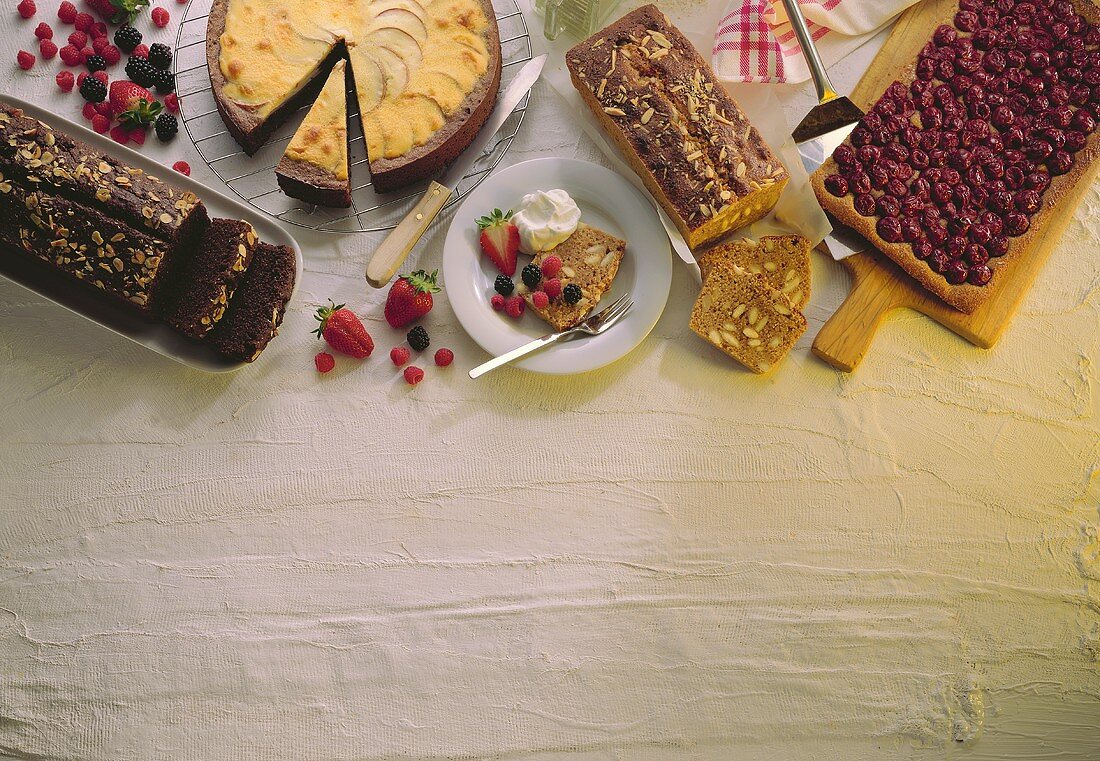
[206, 282]
[257, 308]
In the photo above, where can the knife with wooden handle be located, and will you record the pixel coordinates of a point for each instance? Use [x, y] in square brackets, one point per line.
[389, 256]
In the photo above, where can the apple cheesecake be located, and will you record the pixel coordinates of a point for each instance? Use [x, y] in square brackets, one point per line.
[314, 167]
[426, 72]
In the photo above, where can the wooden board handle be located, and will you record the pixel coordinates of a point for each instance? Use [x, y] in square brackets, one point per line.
[846, 336]
[401, 240]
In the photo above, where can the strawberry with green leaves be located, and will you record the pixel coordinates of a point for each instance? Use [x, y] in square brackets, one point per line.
[118, 11]
[133, 105]
[343, 331]
[410, 298]
[500, 240]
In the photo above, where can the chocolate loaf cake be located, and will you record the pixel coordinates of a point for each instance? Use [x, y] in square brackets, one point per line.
[207, 281]
[85, 244]
[257, 307]
[33, 154]
[676, 126]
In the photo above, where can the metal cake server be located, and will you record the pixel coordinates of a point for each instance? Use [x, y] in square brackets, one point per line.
[824, 128]
[397, 245]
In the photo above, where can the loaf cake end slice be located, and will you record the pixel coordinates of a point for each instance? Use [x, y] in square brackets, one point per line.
[256, 310]
[784, 260]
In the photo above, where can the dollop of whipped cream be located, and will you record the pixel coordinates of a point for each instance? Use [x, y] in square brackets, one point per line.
[545, 219]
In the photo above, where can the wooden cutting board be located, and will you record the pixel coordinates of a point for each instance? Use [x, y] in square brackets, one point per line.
[880, 285]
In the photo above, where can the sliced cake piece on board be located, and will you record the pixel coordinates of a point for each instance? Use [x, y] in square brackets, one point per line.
[257, 307]
[590, 260]
[784, 260]
[208, 280]
[744, 316]
[314, 167]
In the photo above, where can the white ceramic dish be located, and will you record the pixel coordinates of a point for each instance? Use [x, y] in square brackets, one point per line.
[116, 318]
[607, 201]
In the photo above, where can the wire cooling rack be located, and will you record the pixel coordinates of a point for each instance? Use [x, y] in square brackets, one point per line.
[253, 177]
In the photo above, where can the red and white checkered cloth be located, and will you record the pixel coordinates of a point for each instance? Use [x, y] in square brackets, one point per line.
[755, 42]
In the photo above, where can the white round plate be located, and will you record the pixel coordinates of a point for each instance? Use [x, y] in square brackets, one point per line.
[607, 201]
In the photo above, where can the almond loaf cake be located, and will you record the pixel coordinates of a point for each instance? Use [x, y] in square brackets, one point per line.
[85, 244]
[954, 171]
[590, 260]
[208, 280]
[256, 310]
[783, 260]
[33, 153]
[741, 314]
[677, 127]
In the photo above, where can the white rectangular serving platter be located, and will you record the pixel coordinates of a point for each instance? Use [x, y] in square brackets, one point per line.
[35, 276]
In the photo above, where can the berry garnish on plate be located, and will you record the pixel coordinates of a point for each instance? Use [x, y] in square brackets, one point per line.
[65, 80]
[514, 306]
[532, 275]
[343, 331]
[160, 17]
[572, 294]
[500, 240]
[48, 49]
[504, 285]
[134, 105]
[444, 357]
[43, 31]
[183, 168]
[96, 63]
[418, 338]
[164, 81]
[497, 302]
[67, 12]
[92, 90]
[118, 11]
[26, 8]
[410, 298]
[141, 71]
[25, 60]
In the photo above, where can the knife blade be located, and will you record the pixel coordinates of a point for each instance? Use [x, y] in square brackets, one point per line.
[393, 250]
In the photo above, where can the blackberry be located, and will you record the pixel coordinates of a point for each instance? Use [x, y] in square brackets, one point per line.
[140, 71]
[504, 285]
[96, 63]
[127, 38]
[166, 127]
[418, 338]
[92, 90]
[160, 55]
[531, 275]
[164, 81]
[572, 294]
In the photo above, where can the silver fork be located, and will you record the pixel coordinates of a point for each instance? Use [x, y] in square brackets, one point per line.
[593, 325]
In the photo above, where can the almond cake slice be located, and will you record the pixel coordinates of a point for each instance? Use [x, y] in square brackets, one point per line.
[784, 260]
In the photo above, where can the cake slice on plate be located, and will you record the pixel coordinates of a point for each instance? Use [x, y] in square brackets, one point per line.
[741, 314]
[783, 260]
[314, 167]
[590, 260]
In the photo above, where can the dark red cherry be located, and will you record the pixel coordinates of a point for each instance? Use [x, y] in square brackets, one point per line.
[865, 204]
[1037, 149]
[1075, 141]
[975, 254]
[836, 185]
[955, 246]
[897, 188]
[889, 229]
[1060, 163]
[1039, 181]
[980, 234]
[1017, 224]
[888, 206]
[938, 261]
[993, 222]
[985, 39]
[911, 230]
[1083, 121]
[859, 183]
[869, 154]
[998, 246]
[1037, 60]
[844, 155]
[956, 272]
[967, 21]
[1028, 201]
[979, 274]
[1000, 202]
[922, 249]
[944, 35]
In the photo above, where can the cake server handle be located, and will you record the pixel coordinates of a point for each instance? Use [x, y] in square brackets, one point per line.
[401, 240]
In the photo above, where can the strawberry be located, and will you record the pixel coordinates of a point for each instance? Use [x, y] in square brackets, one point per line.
[343, 331]
[500, 240]
[134, 105]
[118, 11]
[410, 298]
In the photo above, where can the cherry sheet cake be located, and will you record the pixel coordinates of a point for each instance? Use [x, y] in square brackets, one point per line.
[958, 165]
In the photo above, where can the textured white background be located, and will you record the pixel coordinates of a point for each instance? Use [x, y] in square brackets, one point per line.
[666, 559]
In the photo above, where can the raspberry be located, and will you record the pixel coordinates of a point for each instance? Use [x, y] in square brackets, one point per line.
[85, 54]
[25, 60]
[550, 266]
[99, 29]
[43, 31]
[71, 56]
[514, 306]
[183, 168]
[444, 357]
[89, 110]
[324, 362]
[84, 21]
[111, 55]
[399, 355]
[80, 79]
[160, 17]
[498, 302]
[48, 49]
[65, 80]
[99, 43]
[26, 8]
[78, 40]
[539, 300]
[413, 375]
[141, 51]
[172, 103]
[120, 134]
[552, 287]
[101, 124]
[67, 12]
[101, 76]
[137, 134]
[105, 108]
